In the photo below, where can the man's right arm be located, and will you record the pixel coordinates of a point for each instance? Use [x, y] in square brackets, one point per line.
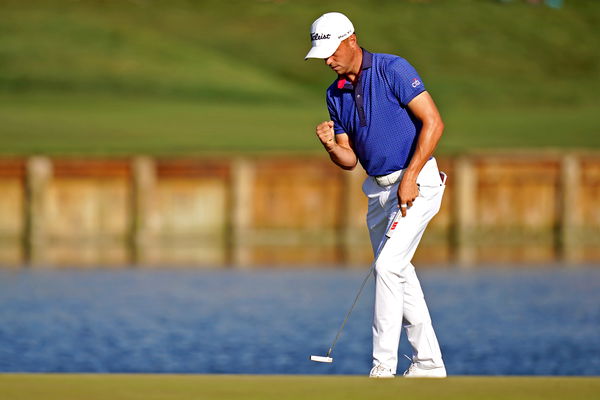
[338, 146]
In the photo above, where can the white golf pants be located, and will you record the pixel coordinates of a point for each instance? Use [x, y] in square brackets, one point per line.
[398, 294]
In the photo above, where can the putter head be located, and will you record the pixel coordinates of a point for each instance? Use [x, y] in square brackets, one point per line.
[322, 359]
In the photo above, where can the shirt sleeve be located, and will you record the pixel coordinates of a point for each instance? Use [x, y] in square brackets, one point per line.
[333, 115]
[404, 80]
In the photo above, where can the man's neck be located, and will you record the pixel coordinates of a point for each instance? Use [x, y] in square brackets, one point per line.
[355, 72]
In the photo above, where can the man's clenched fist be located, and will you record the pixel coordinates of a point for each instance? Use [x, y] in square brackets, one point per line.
[325, 134]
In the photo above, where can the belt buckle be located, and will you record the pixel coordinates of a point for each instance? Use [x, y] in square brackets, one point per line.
[389, 179]
[380, 180]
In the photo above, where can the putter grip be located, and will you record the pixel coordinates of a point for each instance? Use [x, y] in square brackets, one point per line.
[394, 224]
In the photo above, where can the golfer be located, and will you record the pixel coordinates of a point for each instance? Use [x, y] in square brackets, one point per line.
[382, 116]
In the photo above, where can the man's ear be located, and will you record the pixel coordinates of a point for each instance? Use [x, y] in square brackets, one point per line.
[352, 40]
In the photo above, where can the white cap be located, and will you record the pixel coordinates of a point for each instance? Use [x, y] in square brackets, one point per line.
[327, 32]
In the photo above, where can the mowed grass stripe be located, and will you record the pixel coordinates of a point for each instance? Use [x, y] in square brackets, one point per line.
[176, 387]
[108, 126]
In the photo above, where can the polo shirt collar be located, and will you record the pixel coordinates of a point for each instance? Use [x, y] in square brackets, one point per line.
[367, 62]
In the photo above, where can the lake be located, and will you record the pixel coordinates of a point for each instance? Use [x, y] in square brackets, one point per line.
[489, 320]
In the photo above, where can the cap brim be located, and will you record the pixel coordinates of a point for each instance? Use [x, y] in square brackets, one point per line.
[322, 51]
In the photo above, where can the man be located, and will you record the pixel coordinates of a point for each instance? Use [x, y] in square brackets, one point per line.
[382, 116]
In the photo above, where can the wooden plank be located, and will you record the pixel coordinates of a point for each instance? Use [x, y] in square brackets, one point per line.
[241, 188]
[569, 221]
[38, 177]
[465, 211]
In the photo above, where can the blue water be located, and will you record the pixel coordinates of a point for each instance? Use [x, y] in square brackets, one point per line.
[489, 321]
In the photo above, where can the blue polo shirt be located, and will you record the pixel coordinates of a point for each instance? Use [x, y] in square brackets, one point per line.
[374, 113]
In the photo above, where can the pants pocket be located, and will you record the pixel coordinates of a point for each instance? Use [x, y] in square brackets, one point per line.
[429, 192]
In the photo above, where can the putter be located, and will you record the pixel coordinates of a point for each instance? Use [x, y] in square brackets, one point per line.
[327, 357]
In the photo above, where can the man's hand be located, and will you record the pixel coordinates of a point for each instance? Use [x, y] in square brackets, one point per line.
[326, 134]
[407, 193]
[338, 146]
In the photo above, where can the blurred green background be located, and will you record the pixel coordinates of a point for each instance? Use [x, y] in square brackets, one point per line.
[204, 77]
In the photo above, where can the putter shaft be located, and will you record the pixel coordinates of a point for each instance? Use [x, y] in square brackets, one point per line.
[390, 231]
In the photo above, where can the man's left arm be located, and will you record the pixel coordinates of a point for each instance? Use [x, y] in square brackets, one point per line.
[425, 110]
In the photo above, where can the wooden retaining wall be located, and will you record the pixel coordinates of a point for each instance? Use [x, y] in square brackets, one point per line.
[284, 211]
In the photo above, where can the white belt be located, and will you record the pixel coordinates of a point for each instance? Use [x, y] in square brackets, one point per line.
[389, 179]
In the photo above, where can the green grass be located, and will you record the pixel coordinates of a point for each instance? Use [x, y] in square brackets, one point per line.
[264, 387]
[189, 77]
[102, 125]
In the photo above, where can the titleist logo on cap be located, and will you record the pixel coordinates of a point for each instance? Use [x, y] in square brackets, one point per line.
[319, 36]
